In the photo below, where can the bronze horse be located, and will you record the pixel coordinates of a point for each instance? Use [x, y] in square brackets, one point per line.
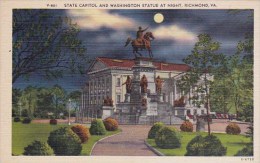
[139, 44]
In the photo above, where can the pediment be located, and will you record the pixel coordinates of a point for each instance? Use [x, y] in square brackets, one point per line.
[97, 65]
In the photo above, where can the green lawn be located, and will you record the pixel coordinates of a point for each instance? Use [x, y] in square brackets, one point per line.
[25, 134]
[233, 143]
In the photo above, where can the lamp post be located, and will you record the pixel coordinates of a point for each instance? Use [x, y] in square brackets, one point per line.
[69, 110]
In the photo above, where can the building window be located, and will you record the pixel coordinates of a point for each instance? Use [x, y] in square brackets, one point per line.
[91, 101]
[118, 83]
[202, 112]
[118, 98]
[103, 83]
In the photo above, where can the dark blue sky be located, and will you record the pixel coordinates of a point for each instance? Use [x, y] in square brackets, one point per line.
[104, 33]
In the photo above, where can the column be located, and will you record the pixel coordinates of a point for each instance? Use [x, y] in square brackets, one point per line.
[175, 90]
[171, 97]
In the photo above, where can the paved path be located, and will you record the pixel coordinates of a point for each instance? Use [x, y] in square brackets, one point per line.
[128, 143]
[131, 141]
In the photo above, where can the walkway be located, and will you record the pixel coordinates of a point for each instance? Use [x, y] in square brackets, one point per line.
[128, 143]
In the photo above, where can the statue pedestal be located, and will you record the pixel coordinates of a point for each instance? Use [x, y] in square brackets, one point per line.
[144, 95]
[127, 97]
[143, 66]
[107, 111]
[200, 125]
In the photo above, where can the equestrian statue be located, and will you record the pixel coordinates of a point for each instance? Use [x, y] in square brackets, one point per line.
[142, 41]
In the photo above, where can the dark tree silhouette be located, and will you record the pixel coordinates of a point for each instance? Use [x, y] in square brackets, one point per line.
[46, 44]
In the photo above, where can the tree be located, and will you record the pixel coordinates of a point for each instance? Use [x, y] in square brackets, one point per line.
[203, 60]
[16, 95]
[220, 91]
[220, 95]
[233, 84]
[29, 99]
[242, 75]
[75, 97]
[59, 98]
[45, 44]
[188, 82]
[45, 101]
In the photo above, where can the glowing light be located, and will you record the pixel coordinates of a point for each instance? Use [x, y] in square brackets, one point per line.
[158, 18]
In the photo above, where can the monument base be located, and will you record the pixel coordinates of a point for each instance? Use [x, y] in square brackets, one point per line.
[127, 97]
[107, 111]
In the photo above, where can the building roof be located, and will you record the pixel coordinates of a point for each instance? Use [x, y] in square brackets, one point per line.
[110, 62]
[129, 63]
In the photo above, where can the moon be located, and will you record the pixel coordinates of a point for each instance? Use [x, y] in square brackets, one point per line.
[158, 18]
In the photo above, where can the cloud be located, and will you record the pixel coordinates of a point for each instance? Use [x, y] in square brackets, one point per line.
[175, 33]
[114, 37]
[96, 19]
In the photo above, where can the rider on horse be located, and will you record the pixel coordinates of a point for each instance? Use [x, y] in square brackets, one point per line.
[142, 41]
[139, 35]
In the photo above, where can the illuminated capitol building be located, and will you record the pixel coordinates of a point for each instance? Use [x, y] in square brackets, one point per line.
[114, 88]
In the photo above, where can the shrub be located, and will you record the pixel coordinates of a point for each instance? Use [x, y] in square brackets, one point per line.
[233, 129]
[155, 128]
[205, 146]
[38, 148]
[27, 120]
[186, 126]
[53, 121]
[17, 119]
[110, 124]
[168, 137]
[97, 127]
[82, 132]
[64, 142]
[246, 151]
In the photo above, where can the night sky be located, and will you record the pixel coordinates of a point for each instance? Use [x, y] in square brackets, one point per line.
[104, 33]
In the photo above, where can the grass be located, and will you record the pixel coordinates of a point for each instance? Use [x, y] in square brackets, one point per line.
[25, 134]
[234, 143]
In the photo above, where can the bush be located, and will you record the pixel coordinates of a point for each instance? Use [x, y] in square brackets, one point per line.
[155, 128]
[17, 119]
[168, 137]
[246, 151]
[205, 146]
[38, 148]
[26, 120]
[110, 124]
[186, 126]
[64, 142]
[233, 129]
[53, 121]
[97, 127]
[82, 132]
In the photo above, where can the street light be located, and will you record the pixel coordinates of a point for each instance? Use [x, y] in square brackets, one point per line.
[69, 110]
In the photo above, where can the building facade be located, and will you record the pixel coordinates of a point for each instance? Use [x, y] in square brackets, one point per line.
[106, 77]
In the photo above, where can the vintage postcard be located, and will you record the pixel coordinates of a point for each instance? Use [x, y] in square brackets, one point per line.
[135, 81]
